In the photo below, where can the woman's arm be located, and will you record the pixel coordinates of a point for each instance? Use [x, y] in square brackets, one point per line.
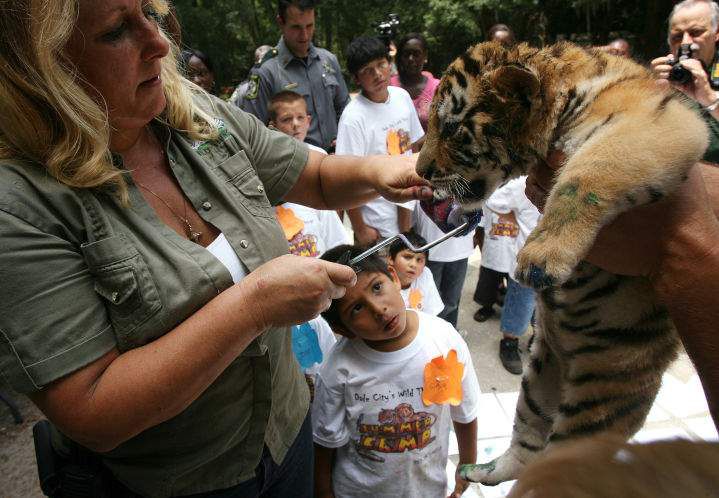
[120, 395]
[331, 182]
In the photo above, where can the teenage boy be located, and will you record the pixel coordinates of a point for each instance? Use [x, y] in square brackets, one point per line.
[418, 288]
[380, 424]
[380, 120]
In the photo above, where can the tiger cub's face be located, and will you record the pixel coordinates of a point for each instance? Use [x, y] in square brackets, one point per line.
[478, 122]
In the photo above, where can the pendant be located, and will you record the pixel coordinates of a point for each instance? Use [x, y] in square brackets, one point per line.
[195, 236]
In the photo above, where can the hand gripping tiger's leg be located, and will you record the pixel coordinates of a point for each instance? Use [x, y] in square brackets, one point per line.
[533, 418]
[620, 165]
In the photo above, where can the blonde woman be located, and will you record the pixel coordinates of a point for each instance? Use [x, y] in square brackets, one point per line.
[146, 293]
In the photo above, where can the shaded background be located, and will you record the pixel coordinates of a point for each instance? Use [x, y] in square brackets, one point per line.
[229, 30]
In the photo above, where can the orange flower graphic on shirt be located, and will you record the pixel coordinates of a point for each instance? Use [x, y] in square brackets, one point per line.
[398, 142]
[443, 380]
[415, 299]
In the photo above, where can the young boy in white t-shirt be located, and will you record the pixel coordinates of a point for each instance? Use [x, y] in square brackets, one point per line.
[309, 232]
[381, 418]
[416, 282]
[380, 120]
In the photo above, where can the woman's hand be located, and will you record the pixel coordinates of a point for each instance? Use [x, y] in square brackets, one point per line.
[396, 180]
[291, 289]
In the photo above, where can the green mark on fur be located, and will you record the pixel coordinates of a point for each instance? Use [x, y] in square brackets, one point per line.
[591, 198]
[568, 190]
[466, 469]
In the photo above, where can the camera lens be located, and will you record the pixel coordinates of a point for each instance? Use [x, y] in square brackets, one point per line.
[680, 74]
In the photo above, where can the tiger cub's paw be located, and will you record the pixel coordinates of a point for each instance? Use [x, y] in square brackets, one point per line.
[543, 263]
[503, 468]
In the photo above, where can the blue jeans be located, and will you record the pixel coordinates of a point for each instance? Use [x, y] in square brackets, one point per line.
[517, 310]
[293, 477]
[449, 278]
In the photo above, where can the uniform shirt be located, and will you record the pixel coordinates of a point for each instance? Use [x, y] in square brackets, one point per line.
[318, 78]
[82, 274]
[368, 404]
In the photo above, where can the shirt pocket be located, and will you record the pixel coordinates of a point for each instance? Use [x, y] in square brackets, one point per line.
[125, 283]
[244, 183]
[330, 82]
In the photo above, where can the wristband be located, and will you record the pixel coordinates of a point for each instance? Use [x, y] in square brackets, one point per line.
[713, 106]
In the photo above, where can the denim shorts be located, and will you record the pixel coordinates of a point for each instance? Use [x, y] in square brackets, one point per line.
[518, 308]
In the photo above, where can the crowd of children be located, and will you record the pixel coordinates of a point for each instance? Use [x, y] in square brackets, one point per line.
[387, 393]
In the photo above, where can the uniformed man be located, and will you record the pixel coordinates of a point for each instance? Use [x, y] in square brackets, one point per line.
[296, 64]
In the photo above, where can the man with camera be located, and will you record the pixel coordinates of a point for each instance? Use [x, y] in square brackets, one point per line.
[692, 39]
[296, 64]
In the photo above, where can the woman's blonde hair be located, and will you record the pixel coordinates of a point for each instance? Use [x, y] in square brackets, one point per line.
[46, 116]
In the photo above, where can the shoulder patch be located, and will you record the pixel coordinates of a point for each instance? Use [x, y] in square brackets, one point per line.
[253, 87]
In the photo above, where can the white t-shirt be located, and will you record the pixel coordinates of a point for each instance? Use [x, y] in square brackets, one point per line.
[511, 197]
[223, 251]
[368, 405]
[367, 128]
[422, 294]
[312, 345]
[500, 235]
[321, 229]
[453, 249]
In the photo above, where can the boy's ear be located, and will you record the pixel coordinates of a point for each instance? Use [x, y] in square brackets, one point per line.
[395, 278]
[272, 123]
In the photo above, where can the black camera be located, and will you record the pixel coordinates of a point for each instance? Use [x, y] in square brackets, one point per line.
[387, 29]
[679, 73]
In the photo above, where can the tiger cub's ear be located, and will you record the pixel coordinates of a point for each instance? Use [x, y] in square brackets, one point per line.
[513, 81]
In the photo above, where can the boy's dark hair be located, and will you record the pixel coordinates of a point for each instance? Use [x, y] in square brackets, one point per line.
[397, 246]
[363, 50]
[374, 263]
[283, 97]
[303, 5]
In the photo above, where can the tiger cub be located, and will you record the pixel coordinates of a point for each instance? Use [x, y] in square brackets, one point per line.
[601, 342]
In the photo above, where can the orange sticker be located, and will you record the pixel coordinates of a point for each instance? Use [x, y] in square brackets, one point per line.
[290, 223]
[443, 380]
[415, 299]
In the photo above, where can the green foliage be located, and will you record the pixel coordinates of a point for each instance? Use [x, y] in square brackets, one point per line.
[230, 30]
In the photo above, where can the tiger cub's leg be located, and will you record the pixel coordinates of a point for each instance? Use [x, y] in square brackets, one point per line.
[619, 165]
[612, 379]
[533, 419]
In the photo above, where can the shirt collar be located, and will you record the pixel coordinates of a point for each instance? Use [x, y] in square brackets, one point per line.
[286, 56]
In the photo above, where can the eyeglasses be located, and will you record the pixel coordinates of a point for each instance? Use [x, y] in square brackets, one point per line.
[369, 70]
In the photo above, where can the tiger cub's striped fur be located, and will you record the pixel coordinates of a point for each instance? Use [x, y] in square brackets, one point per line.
[601, 342]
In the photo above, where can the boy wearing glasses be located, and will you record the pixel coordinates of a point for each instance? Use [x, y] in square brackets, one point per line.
[380, 120]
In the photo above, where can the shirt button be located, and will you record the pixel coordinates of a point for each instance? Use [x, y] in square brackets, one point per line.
[244, 244]
[207, 205]
[260, 189]
[115, 297]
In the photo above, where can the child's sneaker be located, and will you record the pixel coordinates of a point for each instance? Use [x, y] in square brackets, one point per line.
[509, 355]
[483, 314]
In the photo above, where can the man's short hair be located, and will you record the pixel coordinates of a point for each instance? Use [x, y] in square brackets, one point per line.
[398, 246]
[363, 50]
[303, 5]
[373, 263]
[283, 97]
[691, 3]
